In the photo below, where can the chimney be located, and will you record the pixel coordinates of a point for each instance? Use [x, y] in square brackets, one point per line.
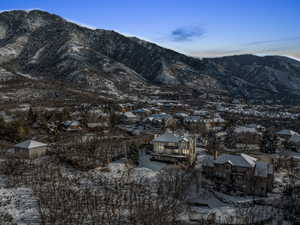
[216, 154]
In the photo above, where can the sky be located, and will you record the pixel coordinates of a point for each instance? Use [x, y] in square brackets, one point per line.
[201, 28]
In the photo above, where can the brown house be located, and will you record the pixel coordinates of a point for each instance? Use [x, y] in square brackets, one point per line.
[241, 173]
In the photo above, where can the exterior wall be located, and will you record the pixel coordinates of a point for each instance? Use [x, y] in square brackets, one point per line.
[187, 149]
[37, 152]
[30, 153]
[239, 179]
[22, 153]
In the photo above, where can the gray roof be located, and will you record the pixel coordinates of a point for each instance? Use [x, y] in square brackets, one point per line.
[30, 144]
[170, 137]
[241, 160]
[71, 123]
[167, 137]
[243, 129]
[129, 115]
[295, 139]
[287, 132]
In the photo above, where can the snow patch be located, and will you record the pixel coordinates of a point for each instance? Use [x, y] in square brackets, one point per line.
[11, 51]
[3, 30]
[21, 205]
[37, 55]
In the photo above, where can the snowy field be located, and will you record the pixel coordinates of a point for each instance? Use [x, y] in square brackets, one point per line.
[20, 205]
[145, 162]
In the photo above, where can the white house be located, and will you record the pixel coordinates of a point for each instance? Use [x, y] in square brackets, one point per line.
[172, 147]
[30, 149]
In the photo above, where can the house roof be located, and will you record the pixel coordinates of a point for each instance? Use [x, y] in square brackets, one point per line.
[295, 139]
[253, 125]
[71, 123]
[181, 114]
[170, 137]
[242, 160]
[243, 129]
[129, 115]
[287, 132]
[167, 137]
[30, 144]
[193, 119]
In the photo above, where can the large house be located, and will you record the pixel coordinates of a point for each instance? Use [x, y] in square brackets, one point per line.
[174, 148]
[30, 149]
[241, 173]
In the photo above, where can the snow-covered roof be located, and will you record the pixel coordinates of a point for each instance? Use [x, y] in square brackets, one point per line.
[242, 160]
[158, 117]
[253, 125]
[30, 144]
[193, 119]
[170, 137]
[167, 137]
[243, 129]
[221, 134]
[99, 124]
[295, 139]
[181, 114]
[200, 112]
[143, 110]
[218, 120]
[71, 123]
[129, 115]
[287, 132]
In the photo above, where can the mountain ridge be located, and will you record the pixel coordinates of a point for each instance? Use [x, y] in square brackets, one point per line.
[47, 46]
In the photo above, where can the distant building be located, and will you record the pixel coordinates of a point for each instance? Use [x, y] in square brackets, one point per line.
[174, 148]
[129, 117]
[241, 173]
[286, 134]
[72, 125]
[30, 149]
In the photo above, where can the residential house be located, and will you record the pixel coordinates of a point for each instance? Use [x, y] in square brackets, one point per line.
[159, 120]
[142, 113]
[258, 127]
[247, 138]
[129, 118]
[240, 173]
[72, 125]
[30, 149]
[98, 125]
[174, 148]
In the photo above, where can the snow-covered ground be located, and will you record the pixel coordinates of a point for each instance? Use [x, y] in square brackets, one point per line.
[21, 205]
[224, 209]
[145, 162]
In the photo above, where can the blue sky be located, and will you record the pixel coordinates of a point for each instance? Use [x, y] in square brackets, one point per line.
[194, 27]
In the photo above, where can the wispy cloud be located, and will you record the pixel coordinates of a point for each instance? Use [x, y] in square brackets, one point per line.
[273, 41]
[188, 33]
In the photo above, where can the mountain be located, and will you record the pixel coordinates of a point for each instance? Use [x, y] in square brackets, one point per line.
[43, 46]
[268, 77]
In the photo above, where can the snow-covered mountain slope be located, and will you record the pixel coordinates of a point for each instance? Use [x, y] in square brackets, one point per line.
[46, 46]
